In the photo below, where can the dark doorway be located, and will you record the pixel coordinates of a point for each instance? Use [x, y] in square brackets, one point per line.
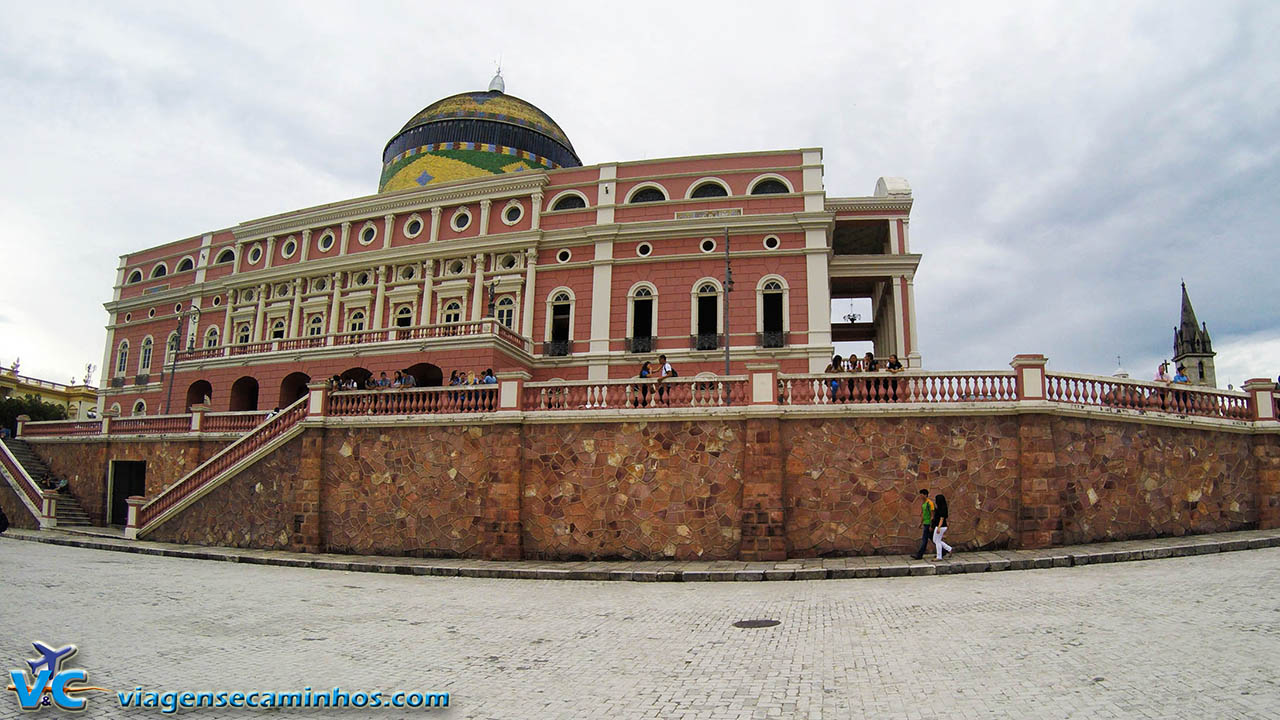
[197, 393]
[559, 344]
[426, 375]
[244, 394]
[773, 337]
[128, 478]
[708, 311]
[293, 387]
[358, 374]
[642, 325]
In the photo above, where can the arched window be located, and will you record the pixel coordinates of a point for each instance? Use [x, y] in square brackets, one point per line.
[647, 193]
[356, 321]
[452, 312]
[559, 337]
[769, 186]
[706, 315]
[277, 330]
[144, 365]
[225, 257]
[569, 201]
[642, 319]
[140, 408]
[315, 326]
[771, 313]
[211, 337]
[134, 277]
[184, 265]
[506, 311]
[404, 316]
[709, 189]
[159, 271]
[242, 334]
[122, 357]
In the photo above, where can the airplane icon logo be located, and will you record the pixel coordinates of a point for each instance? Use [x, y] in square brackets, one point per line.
[49, 683]
[50, 658]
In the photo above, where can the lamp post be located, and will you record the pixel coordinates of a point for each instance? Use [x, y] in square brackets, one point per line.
[492, 287]
[173, 364]
[728, 288]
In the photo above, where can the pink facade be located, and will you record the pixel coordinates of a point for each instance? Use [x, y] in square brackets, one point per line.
[592, 271]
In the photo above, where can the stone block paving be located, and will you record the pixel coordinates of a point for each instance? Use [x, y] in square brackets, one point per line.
[1187, 637]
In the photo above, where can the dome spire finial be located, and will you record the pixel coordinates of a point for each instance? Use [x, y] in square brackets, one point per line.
[496, 84]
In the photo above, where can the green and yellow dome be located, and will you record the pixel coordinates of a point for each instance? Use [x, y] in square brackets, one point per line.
[471, 135]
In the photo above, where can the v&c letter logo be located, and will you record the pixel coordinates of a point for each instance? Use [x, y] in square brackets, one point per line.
[49, 684]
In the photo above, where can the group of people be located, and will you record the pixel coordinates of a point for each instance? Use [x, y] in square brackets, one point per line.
[382, 382]
[866, 363]
[933, 522]
[1162, 374]
[473, 378]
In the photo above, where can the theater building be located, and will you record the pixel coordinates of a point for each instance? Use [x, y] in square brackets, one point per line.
[490, 245]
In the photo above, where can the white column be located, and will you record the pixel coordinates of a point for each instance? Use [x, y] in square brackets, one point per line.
[536, 211]
[202, 260]
[227, 328]
[336, 284]
[606, 194]
[428, 276]
[258, 334]
[818, 285]
[271, 246]
[899, 321]
[435, 224]
[477, 290]
[389, 226]
[913, 352]
[601, 306]
[379, 298]
[485, 205]
[530, 279]
[296, 310]
[346, 235]
[306, 245]
[814, 194]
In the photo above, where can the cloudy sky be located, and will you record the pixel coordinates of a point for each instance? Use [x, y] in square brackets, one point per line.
[1071, 162]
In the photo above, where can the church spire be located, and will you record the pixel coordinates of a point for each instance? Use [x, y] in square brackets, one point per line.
[1192, 347]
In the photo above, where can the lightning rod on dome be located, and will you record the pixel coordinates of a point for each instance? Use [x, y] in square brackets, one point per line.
[496, 84]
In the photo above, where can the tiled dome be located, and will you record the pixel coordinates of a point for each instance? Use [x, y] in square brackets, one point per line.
[471, 135]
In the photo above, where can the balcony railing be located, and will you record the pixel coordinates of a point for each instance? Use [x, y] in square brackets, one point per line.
[636, 393]
[886, 387]
[773, 339]
[557, 348]
[415, 401]
[706, 341]
[1172, 398]
[640, 344]
[147, 425]
[479, 328]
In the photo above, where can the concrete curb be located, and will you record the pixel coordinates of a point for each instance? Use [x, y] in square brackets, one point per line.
[674, 571]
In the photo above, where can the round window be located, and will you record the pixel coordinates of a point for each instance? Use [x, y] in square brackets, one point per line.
[406, 272]
[461, 219]
[326, 241]
[644, 249]
[708, 245]
[456, 267]
[282, 289]
[564, 256]
[217, 300]
[128, 317]
[255, 255]
[319, 285]
[507, 262]
[771, 243]
[413, 227]
[512, 214]
[151, 313]
[246, 296]
[368, 234]
[289, 248]
[362, 279]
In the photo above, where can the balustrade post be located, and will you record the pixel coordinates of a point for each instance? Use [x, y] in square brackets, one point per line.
[511, 389]
[764, 383]
[22, 420]
[197, 416]
[135, 503]
[318, 402]
[1029, 374]
[48, 508]
[1262, 406]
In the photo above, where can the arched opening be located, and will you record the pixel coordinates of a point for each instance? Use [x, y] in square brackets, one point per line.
[293, 387]
[185, 265]
[244, 394]
[200, 392]
[708, 318]
[569, 202]
[772, 335]
[225, 256]
[358, 374]
[647, 194]
[426, 375]
[769, 186]
[709, 190]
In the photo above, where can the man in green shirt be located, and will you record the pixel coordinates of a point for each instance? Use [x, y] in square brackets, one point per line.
[926, 523]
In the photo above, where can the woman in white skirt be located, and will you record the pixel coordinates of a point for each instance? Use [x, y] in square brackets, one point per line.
[940, 525]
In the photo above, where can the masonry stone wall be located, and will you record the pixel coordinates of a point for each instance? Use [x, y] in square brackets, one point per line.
[14, 509]
[719, 488]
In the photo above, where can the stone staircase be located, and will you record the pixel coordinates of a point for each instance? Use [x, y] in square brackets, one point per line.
[69, 512]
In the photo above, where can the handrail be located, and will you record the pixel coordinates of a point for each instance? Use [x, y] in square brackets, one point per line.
[231, 421]
[415, 401]
[240, 421]
[1144, 396]
[24, 481]
[900, 387]
[637, 393]
[143, 425]
[61, 427]
[210, 469]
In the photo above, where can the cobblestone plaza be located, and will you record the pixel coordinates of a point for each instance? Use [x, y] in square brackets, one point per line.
[1184, 637]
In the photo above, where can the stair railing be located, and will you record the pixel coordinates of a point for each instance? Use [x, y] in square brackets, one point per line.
[31, 494]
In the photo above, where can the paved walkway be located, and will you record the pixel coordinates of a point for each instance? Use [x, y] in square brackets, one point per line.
[681, 571]
[1188, 637]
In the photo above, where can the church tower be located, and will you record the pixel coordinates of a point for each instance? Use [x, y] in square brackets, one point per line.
[1191, 346]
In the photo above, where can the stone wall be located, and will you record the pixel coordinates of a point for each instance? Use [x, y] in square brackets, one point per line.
[85, 465]
[851, 484]
[1124, 480]
[14, 509]
[632, 490]
[251, 510]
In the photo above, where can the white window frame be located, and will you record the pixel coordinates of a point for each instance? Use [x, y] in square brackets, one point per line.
[693, 304]
[631, 308]
[573, 309]
[666, 196]
[786, 302]
[688, 193]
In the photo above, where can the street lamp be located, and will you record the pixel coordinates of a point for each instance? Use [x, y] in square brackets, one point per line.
[173, 364]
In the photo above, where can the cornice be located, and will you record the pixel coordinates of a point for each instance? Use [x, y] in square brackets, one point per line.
[862, 204]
